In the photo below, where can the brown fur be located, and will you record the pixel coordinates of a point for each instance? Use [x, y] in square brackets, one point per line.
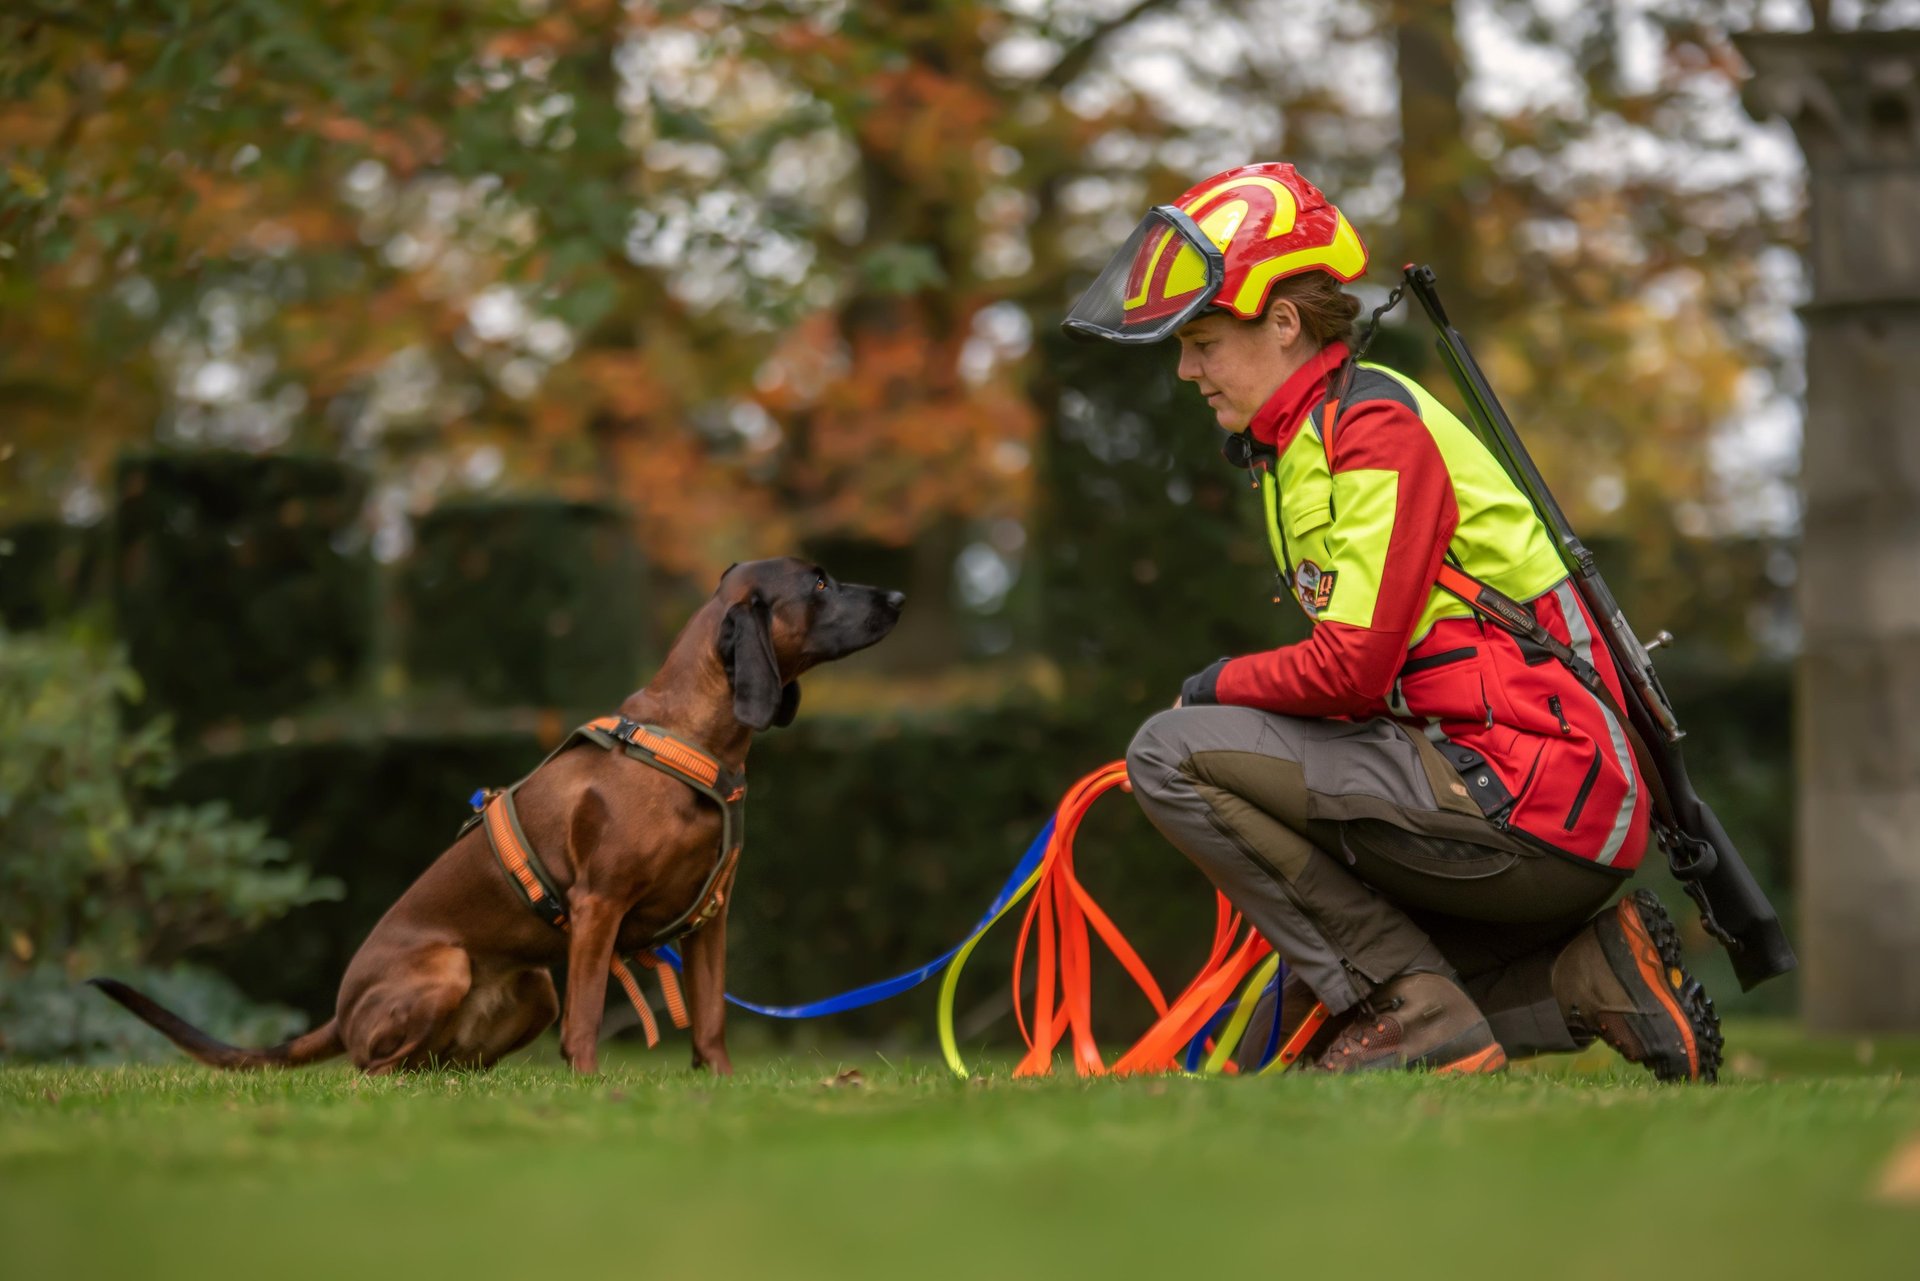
[456, 973]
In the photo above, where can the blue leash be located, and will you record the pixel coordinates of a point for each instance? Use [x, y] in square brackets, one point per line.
[1196, 1048]
[1198, 1045]
[874, 993]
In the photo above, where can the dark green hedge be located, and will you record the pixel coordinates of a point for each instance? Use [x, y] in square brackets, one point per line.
[1152, 555]
[49, 571]
[876, 850]
[238, 586]
[1739, 752]
[524, 602]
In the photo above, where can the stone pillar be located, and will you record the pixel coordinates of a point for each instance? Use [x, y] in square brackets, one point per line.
[1853, 100]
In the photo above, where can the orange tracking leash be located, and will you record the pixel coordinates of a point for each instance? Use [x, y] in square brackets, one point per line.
[1057, 921]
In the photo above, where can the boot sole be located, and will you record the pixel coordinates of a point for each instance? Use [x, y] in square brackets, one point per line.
[1487, 1056]
[1652, 945]
[1485, 1063]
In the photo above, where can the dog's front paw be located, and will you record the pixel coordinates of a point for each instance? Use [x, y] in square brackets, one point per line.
[585, 1061]
[714, 1061]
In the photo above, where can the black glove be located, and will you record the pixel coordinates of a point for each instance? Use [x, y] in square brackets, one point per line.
[1197, 689]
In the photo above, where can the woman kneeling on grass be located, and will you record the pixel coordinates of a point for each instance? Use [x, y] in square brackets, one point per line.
[1419, 815]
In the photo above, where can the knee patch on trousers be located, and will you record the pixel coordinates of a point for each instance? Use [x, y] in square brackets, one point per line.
[1261, 800]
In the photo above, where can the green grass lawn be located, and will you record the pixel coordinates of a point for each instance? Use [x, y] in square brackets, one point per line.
[1587, 1170]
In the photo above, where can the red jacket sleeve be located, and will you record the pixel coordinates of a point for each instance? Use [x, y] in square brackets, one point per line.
[1344, 668]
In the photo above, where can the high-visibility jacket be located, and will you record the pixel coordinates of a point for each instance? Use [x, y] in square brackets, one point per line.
[1359, 545]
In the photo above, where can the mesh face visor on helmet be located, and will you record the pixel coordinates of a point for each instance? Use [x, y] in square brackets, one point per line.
[1167, 273]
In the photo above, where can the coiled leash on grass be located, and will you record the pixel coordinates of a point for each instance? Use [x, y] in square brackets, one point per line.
[1057, 919]
[1205, 1018]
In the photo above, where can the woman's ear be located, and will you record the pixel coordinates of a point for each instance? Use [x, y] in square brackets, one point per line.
[1284, 318]
[746, 649]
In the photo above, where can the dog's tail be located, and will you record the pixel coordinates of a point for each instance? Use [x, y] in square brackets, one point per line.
[322, 1043]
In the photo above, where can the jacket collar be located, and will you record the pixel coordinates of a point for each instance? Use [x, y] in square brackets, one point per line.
[1287, 408]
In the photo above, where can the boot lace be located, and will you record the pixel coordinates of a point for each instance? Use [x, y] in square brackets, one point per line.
[1359, 1034]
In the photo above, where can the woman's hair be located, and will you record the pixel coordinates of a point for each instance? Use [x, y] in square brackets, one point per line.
[1327, 311]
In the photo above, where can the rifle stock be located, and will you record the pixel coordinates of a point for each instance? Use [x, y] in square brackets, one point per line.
[1704, 860]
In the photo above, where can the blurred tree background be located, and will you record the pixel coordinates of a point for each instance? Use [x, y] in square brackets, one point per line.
[393, 379]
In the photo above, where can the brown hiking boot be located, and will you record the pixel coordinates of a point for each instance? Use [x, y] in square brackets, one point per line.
[1621, 979]
[1416, 1021]
[1294, 1000]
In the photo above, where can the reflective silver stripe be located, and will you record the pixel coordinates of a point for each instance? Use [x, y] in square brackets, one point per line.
[1397, 701]
[1582, 640]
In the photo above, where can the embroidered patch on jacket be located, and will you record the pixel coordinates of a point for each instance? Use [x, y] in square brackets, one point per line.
[1314, 586]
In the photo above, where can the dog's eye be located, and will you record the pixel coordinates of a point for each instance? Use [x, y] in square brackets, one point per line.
[820, 583]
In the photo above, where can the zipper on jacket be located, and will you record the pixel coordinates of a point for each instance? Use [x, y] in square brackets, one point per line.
[1443, 659]
[1580, 800]
[1283, 580]
[1554, 703]
[1505, 819]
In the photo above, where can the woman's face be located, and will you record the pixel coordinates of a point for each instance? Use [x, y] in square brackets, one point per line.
[1237, 364]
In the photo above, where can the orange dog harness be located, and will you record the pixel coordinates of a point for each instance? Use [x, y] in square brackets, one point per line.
[652, 746]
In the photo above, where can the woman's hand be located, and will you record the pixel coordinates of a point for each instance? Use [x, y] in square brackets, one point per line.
[1197, 690]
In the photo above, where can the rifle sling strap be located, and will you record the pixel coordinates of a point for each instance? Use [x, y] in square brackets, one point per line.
[1511, 616]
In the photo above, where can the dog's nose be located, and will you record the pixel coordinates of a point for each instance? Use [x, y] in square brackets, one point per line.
[895, 600]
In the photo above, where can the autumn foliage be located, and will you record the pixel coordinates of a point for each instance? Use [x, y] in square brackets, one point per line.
[771, 272]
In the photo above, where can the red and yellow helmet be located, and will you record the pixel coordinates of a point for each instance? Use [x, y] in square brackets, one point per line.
[1222, 244]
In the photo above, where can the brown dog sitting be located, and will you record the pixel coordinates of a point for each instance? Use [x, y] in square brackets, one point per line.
[456, 973]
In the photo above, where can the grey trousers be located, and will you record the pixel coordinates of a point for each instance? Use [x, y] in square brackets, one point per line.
[1355, 850]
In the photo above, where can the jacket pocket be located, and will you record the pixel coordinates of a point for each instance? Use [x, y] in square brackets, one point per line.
[1483, 784]
[1586, 789]
[1446, 658]
[1497, 801]
[1310, 516]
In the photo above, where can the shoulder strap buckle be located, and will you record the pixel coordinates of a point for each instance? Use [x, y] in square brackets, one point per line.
[668, 753]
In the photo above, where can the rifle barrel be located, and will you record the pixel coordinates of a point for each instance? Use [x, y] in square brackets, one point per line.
[1498, 432]
[1729, 897]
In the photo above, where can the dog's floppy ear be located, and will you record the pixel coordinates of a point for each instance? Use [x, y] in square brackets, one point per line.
[746, 649]
[789, 705]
